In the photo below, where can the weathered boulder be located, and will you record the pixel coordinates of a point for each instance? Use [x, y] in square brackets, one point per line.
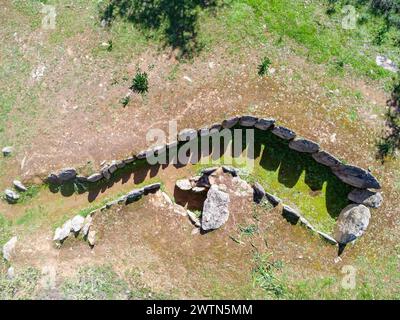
[326, 159]
[112, 167]
[91, 237]
[274, 200]
[77, 223]
[356, 177]
[304, 145]
[283, 133]
[366, 197]
[9, 248]
[95, 177]
[231, 122]
[86, 225]
[7, 151]
[187, 134]
[53, 179]
[352, 223]
[11, 196]
[264, 124]
[183, 184]
[67, 174]
[62, 233]
[105, 173]
[290, 214]
[248, 121]
[19, 186]
[258, 192]
[215, 209]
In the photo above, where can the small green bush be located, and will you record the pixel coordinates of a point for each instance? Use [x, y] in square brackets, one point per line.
[140, 83]
[264, 66]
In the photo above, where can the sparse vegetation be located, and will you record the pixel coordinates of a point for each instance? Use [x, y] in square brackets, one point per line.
[265, 276]
[263, 67]
[95, 283]
[140, 83]
[22, 286]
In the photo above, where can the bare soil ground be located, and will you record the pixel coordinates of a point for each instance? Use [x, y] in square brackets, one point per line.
[78, 119]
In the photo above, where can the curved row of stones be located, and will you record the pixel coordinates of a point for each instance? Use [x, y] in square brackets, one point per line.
[80, 225]
[349, 174]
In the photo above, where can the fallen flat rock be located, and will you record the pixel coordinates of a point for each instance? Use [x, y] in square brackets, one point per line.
[215, 209]
[304, 145]
[9, 248]
[366, 197]
[187, 135]
[352, 223]
[229, 123]
[7, 151]
[356, 177]
[258, 192]
[283, 133]
[95, 177]
[264, 124]
[77, 223]
[326, 159]
[183, 184]
[248, 121]
[11, 196]
[19, 186]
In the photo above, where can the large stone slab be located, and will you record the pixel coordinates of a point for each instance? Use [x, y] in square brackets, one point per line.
[248, 121]
[366, 197]
[231, 122]
[304, 145]
[264, 124]
[283, 133]
[352, 223]
[215, 209]
[326, 159]
[356, 177]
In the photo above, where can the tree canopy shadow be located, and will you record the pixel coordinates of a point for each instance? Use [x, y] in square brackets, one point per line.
[178, 19]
